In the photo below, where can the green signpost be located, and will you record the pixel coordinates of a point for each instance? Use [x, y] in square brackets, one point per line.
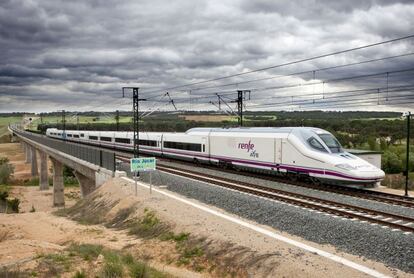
[143, 164]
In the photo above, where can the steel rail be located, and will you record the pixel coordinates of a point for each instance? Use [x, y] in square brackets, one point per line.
[330, 207]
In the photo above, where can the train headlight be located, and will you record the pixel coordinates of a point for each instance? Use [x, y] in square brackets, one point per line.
[346, 166]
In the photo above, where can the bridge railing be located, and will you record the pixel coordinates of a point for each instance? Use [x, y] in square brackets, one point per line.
[105, 159]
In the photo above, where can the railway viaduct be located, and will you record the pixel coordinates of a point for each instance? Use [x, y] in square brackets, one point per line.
[92, 167]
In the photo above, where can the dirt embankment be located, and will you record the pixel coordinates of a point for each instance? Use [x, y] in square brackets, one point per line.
[114, 233]
[156, 231]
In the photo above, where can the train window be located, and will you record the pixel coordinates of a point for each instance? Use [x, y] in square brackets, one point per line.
[93, 137]
[69, 135]
[150, 143]
[183, 146]
[204, 148]
[82, 135]
[331, 142]
[76, 135]
[123, 140]
[316, 145]
[107, 139]
[59, 134]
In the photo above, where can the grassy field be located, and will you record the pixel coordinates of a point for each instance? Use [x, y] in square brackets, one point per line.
[5, 121]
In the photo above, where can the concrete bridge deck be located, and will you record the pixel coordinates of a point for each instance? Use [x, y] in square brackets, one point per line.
[92, 166]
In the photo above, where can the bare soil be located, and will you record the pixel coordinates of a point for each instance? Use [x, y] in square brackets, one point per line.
[227, 249]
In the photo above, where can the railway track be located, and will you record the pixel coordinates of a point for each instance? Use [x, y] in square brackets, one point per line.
[375, 217]
[372, 195]
[382, 197]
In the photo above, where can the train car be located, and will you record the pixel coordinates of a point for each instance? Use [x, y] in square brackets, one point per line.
[290, 151]
[185, 146]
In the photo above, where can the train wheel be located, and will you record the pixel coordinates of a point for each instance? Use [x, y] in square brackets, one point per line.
[315, 181]
[293, 177]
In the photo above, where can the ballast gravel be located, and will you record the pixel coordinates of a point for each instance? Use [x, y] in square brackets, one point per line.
[400, 210]
[374, 242]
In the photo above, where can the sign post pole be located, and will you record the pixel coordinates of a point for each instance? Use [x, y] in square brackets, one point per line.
[150, 182]
[136, 186]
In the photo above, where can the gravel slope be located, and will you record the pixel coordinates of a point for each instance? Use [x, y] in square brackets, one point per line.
[381, 244]
[310, 192]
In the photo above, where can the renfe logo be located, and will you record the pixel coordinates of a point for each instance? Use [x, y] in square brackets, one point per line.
[246, 146]
[250, 149]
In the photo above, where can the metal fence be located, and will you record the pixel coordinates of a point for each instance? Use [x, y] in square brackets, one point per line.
[105, 159]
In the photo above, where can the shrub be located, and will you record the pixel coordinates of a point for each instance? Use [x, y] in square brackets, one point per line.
[391, 163]
[113, 265]
[86, 251]
[80, 274]
[32, 182]
[137, 269]
[148, 227]
[6, 170]
[13, 204]
[4, 192]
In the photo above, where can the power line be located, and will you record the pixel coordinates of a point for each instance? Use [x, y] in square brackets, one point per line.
[285, 64]
[324, 94]
[232, 92]
[333, 100]
[304, 72]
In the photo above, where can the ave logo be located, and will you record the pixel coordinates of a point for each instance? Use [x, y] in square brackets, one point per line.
[249, 147]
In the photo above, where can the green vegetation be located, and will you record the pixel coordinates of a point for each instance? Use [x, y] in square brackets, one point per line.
[4, 192]
[149, 226]
[115, 263]
[80, 274]
[69, 179]
[100, 262]
[4, 123]
[6, 170]
[13, 205]
[8, 205]
[87, 252]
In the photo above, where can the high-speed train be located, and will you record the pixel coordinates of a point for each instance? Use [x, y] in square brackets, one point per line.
[290, 151]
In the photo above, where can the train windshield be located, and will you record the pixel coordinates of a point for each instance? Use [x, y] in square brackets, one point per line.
[331, 143]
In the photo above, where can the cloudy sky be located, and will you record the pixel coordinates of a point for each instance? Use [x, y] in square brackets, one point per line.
[77, 55]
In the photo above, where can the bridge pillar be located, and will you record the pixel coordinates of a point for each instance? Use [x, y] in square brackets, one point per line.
[43, 178]
[58, 186]
[87, 185]
[27, 152]
[35, 171]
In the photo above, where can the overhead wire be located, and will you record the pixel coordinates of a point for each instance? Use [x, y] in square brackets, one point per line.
[286, 64]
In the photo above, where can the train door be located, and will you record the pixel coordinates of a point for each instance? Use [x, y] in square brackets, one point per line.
[278, 151]
[204, 145]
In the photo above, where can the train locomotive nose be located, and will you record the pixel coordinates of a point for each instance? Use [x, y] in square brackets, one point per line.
[372, 173]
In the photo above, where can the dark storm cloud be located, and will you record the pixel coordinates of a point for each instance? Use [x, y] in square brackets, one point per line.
[78, 54]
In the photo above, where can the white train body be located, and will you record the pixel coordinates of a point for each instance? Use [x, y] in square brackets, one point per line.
[290, 151]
